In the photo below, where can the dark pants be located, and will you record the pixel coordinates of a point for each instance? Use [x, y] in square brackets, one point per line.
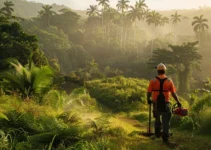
[165, 118]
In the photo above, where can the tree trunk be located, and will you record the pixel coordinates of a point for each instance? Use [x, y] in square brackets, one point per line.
[125, 39]
[152, 43]
[183, 77]
[122, 28]
[103, 23]
[175, 37]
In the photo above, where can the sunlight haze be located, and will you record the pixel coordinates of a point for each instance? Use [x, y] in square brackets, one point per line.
[153, 4]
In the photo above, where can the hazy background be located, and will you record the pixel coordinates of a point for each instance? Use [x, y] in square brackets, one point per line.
[153, 4]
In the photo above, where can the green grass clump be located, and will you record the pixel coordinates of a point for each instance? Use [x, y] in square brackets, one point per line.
[141, 117]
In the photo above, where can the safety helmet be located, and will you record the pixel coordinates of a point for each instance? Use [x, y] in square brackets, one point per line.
[161, 66]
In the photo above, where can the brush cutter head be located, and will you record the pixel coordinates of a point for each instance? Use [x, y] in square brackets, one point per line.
[179, 110]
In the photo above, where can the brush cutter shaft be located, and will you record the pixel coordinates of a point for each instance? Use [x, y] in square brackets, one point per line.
[149, 129]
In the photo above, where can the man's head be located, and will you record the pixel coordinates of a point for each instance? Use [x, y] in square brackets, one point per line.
[161, 69]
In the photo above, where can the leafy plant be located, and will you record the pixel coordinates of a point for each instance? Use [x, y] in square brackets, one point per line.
[29, 81]
[4, 141]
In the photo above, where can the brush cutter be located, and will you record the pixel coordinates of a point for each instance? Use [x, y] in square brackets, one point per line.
[179, 110]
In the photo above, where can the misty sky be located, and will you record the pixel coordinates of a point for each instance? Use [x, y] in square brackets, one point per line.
[153, 4]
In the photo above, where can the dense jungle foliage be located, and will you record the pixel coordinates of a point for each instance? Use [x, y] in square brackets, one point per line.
[78, 79]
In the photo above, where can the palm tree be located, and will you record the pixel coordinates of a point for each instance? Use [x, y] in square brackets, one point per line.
[92, 10]
[141, 4]
[46, 14]
[164, 20]
[146, 13]
[155, 19]
[122, 5]
[175, 18]
[7, 9]
[104, 4]
[135, 14]
[64, 10]
[110, 15]
[200, 25]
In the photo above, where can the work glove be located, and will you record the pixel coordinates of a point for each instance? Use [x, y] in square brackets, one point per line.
[149, 101]
[179, 104]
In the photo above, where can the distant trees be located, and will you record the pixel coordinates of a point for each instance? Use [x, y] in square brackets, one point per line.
[16, 44]
[122, 5]
[46, 14]
[164, 20]
[141, 4]
[68, 21]
[92, 11]
[175, 18]
[129, 15]
[200, 25]
[104, 4]
[135, 14]
[181, 58]
[7, 9]
[154, 19]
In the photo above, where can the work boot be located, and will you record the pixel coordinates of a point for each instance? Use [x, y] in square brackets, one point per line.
[157, 132]
[165, 138]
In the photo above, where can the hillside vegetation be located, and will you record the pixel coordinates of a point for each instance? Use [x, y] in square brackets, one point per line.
[74, 82]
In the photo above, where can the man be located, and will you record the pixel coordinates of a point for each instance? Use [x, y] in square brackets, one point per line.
[160, 89]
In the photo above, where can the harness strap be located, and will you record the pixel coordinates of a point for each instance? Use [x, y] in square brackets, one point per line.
[161, 85]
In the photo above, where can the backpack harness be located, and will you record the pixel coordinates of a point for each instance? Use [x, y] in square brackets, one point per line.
[161, 102]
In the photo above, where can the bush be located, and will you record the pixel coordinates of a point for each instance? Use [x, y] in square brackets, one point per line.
[119, 93]
[205, 121]
[54, 99]
[81, 101]
[186, 123]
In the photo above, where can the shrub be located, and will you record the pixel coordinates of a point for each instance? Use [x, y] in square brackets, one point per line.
[119, 93]
[54, 99]
[205, 121]
[80, 100]
[186, 123]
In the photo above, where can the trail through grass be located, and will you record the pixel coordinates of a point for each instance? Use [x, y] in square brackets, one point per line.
[136, 141]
